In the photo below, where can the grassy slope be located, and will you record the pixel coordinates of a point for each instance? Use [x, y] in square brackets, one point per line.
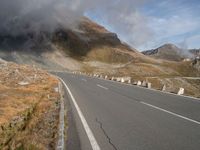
[28, 114]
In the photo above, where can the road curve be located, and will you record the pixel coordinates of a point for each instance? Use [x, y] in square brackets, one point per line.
[123, 117]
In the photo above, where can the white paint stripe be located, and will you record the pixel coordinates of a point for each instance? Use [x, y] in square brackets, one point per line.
[93, 142]
[169, 112]
[84, 80]
[102, 87]
[61, 143]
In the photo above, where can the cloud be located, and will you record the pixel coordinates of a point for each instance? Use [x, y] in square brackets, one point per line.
[23, 16]
[157, 22]
[176, 22]
[193, 41]
[124, 18]
[173, 26]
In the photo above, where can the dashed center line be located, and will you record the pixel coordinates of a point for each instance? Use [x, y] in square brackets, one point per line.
[169, 112]
[84, 80]
[102, 87]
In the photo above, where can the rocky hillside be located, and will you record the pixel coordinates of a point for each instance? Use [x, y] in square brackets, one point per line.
[172, 52]
[89, 47]
[29, 107]
[86, 42]
[167, 52]
[90, 41]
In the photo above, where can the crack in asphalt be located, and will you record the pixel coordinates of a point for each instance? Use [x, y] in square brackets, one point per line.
[106, 135]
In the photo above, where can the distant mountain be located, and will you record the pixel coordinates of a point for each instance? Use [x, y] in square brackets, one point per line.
[195, 52]
[168, 52]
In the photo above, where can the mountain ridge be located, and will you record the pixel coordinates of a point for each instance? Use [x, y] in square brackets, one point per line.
[172, 52]
[167, 51]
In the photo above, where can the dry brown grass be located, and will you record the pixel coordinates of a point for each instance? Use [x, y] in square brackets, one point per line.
[28, 114]
[108, 55]
[91, 27]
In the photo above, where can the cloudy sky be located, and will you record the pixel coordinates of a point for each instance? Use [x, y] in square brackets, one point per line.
[144, 24]
[154, 22]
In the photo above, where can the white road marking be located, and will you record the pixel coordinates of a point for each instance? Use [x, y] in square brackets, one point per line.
[61, 143]
[93, 142]
[102, 87]
[169, 112]
[84, 80]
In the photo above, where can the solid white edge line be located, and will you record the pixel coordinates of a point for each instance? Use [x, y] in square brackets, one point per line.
[61, 143]
[93, 142]
[169, 112]
[102, 87]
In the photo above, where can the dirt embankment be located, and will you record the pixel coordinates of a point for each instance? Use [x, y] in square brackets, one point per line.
[29, 107]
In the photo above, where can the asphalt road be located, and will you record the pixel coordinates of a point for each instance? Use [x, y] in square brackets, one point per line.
[122, 117]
